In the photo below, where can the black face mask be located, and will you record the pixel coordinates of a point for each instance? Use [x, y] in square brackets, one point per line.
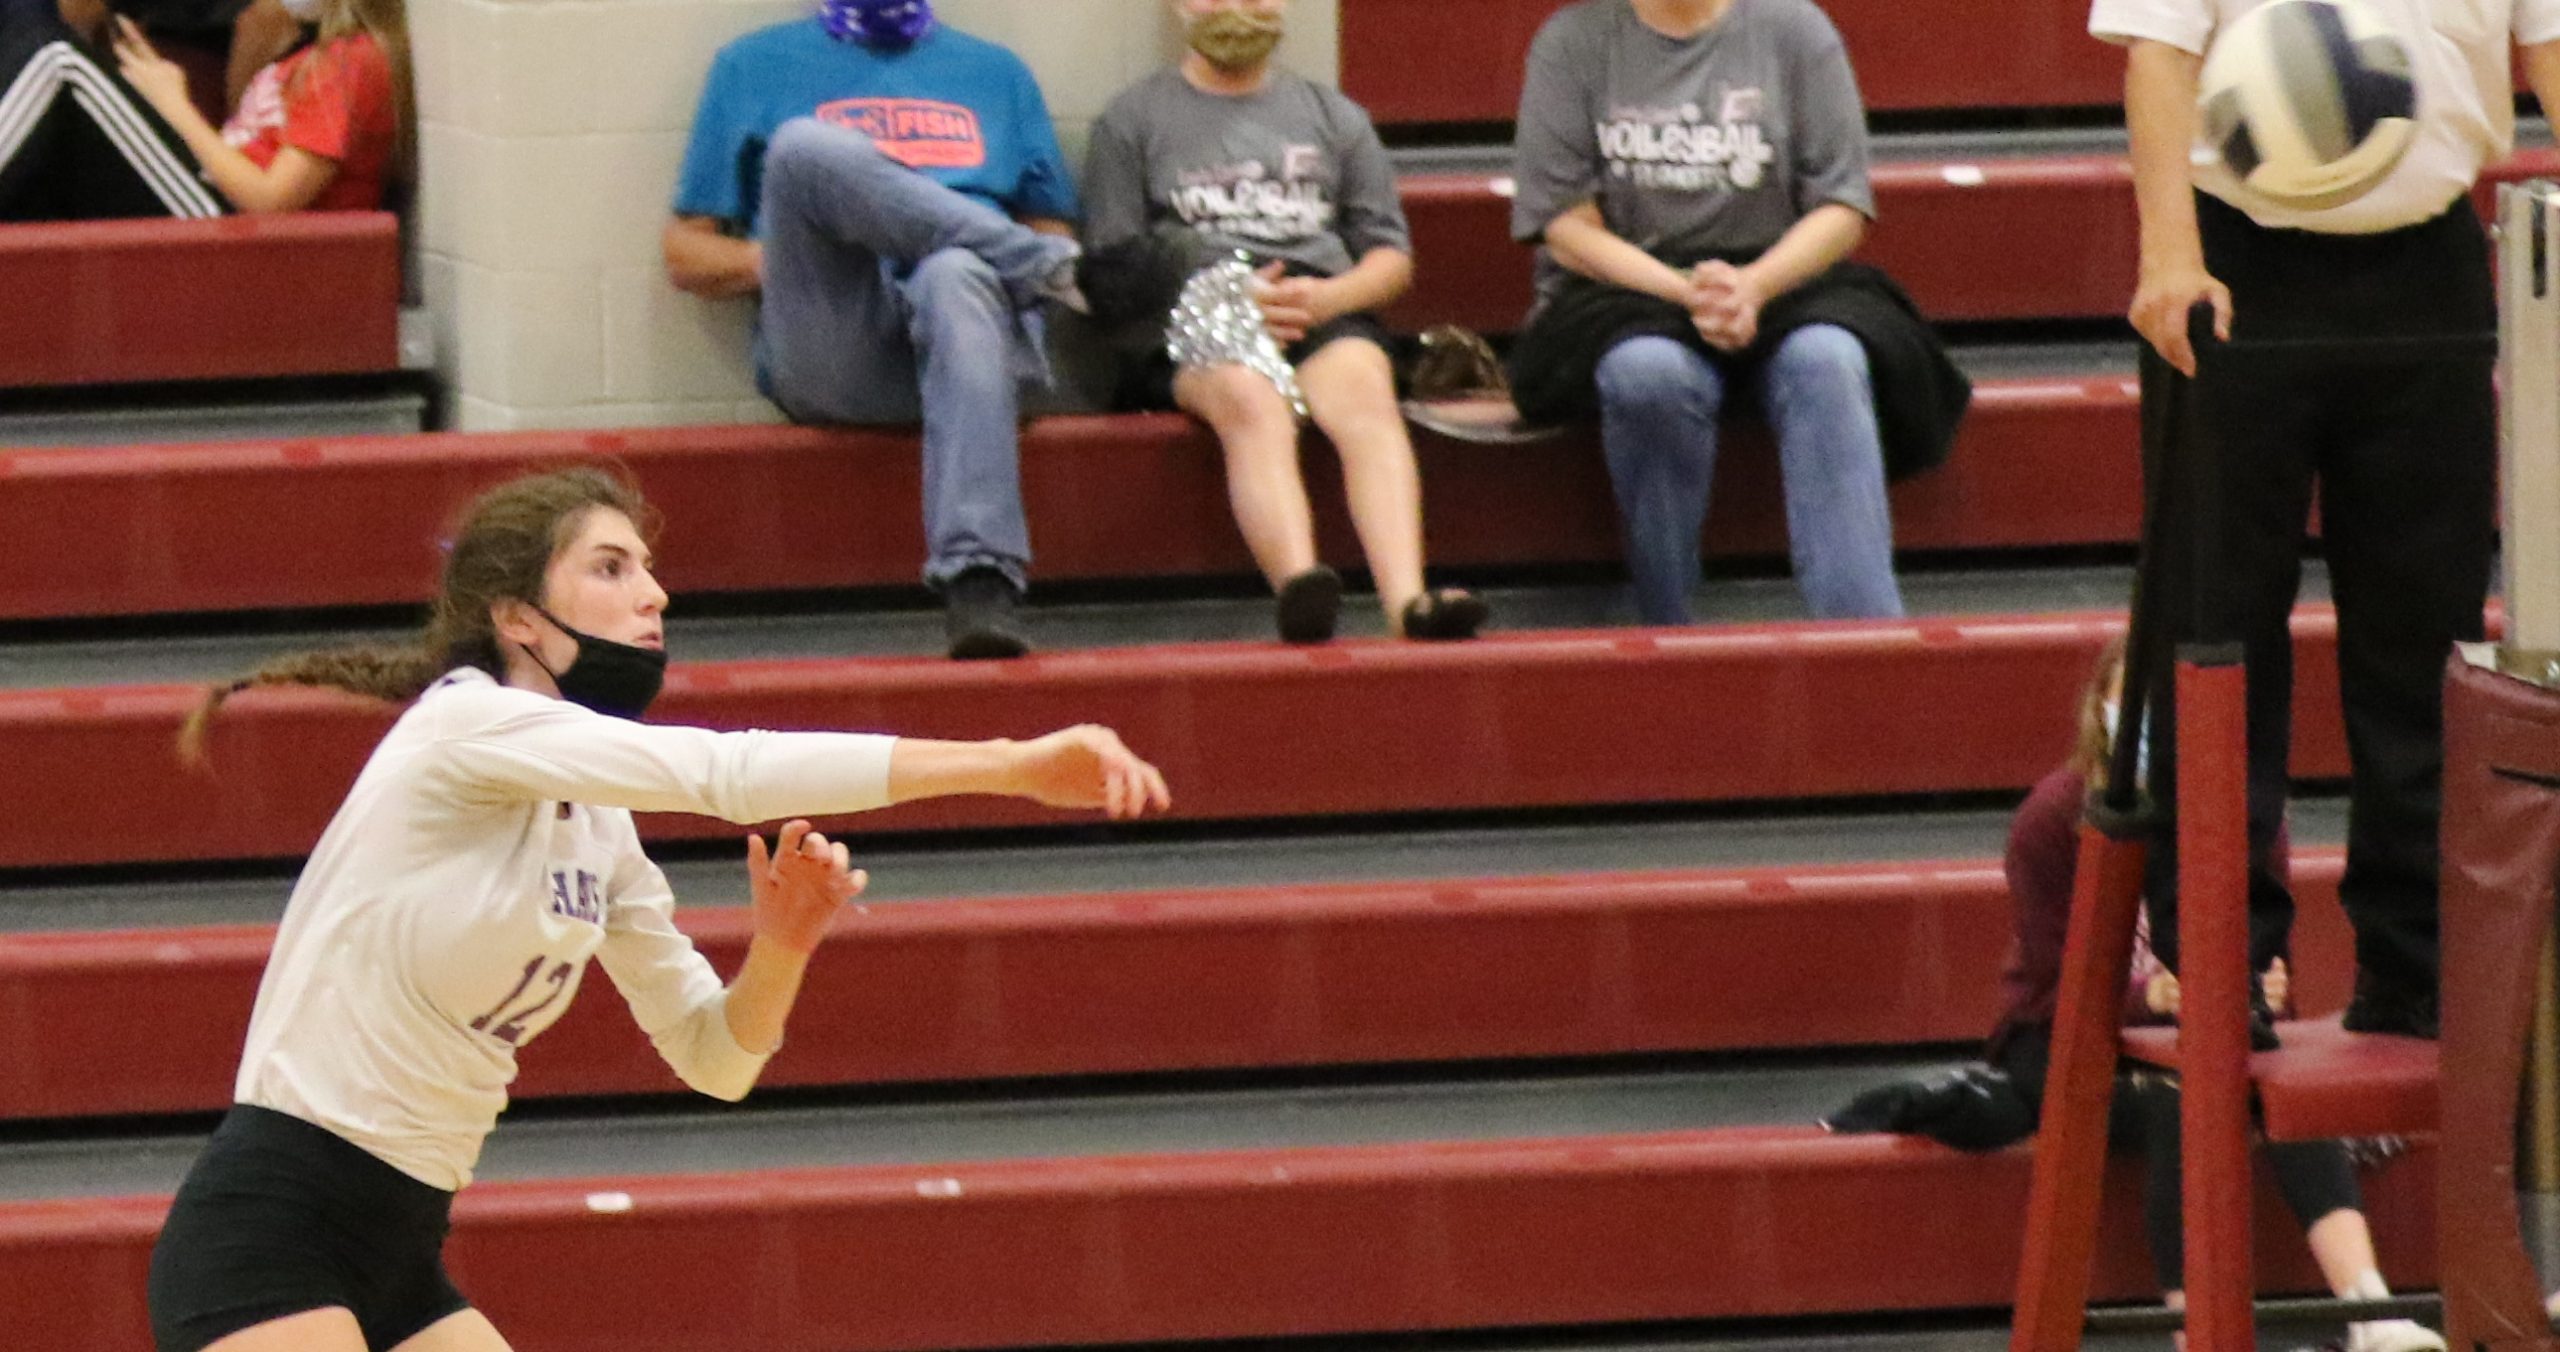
[620, 679]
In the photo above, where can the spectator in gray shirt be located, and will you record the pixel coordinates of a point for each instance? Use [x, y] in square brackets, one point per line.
[1226, 153]
[1711, 154]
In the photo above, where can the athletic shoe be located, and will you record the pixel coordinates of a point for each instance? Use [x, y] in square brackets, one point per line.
[2393, 1335]
[978, 618]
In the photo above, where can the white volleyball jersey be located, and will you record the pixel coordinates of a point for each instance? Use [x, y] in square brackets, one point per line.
[447, 915]
[2461, 52]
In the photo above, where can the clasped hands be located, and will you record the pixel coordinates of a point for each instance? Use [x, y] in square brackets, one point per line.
[1290, 305]
[1724, 302]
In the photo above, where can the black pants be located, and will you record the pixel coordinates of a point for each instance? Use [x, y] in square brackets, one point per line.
[2403, 455]
[76, 143]
[2314, 1177]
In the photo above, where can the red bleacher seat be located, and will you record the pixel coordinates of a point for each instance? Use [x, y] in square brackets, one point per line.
[2327, 1082]
[245, 297]
[1768, 1221]
[2049, 237]
[2040, 238]
[1456, 970]
[1747, 712]
[161, 529]
[1909, 54]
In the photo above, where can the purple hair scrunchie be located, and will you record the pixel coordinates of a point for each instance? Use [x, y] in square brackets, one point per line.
[877, 23]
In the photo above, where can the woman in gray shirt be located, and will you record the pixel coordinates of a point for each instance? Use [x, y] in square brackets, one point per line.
[1711, 154]
[1240, 156]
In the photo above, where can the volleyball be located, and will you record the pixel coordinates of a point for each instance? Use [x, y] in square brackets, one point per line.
[2309, 102]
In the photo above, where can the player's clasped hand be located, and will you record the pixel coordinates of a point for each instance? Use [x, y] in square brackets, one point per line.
[1087, 766]
[798, 887]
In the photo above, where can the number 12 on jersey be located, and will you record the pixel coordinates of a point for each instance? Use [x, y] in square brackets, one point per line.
[506, 1027]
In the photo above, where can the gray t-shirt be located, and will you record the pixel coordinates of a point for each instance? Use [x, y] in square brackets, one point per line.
[1290, 172]
[1717, 142]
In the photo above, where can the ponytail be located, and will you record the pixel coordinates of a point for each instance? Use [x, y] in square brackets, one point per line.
[394, 674]
[501, 551]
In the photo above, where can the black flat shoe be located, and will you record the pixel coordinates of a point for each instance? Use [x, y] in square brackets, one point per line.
[1446, 615]
[1309, 604]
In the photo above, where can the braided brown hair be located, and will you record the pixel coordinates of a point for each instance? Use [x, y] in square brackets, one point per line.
[502, 550]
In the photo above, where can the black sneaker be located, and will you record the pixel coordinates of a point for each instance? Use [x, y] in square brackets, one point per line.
[2390, 1007]
[1308, 605]
[978, 617]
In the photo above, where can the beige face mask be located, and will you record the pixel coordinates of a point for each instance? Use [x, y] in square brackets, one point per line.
[1231, 39]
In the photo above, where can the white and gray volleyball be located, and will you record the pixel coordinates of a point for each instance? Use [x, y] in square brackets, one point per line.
[2309, 102]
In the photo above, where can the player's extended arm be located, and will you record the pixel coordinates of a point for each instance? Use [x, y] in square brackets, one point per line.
[798, 889]
[1084, 766]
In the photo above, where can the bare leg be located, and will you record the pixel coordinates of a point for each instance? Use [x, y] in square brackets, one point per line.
[329, 1330]
[1259, 436]
[2342, 1245]
[1351, 392]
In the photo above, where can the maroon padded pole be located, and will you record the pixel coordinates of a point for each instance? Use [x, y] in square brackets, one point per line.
[2071, 1145]
[2213, 1020]
[2501, 847]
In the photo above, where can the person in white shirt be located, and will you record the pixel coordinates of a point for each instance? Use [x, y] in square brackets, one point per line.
[2402, 450]
[446, 917]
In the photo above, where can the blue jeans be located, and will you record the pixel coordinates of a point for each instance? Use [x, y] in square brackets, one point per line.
[1659, 402]
[888, 298]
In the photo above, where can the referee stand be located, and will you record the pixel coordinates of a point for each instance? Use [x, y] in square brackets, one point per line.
[2501, 854]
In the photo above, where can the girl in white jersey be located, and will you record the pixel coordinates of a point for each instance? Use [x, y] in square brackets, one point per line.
[483, 856]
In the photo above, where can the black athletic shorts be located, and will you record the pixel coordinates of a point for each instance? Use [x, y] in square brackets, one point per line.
[1154, 387]
[279, 1217]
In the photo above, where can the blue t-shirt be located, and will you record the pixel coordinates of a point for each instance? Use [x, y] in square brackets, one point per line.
[960, 109]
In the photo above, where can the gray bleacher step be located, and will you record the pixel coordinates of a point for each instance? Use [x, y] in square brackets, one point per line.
[395, 413]
[917, 631]
[2048, 361]
[1510, 1107]
[1117, 863]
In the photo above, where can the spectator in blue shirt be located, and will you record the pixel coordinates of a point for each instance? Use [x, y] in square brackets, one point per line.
[894, 191]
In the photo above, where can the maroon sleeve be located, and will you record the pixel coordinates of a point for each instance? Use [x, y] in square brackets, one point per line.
[2044, 853]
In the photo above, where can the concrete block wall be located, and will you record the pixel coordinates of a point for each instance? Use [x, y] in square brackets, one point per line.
[549, 136]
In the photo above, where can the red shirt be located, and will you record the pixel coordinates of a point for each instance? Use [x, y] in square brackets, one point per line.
[334, 102]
